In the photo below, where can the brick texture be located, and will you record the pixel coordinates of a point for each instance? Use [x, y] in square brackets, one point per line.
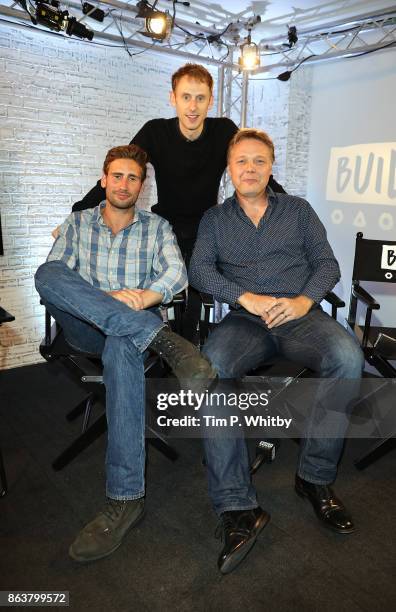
[63, 104]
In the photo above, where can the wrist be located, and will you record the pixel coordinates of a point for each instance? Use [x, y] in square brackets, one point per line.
[307, 301]
[244, 298]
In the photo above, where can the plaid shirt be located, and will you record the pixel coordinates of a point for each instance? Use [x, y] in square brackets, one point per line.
[143, 255]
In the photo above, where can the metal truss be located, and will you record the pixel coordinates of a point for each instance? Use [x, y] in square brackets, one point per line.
[217, 37]
[364, 33]
[232, 88]
[121, 27]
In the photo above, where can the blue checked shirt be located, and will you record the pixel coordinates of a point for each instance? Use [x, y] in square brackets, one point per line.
[285, 256]
[143, 255]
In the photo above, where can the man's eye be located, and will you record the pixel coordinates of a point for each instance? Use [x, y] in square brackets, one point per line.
[133, 178]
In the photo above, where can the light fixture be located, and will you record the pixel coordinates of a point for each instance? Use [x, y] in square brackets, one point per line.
[250, 55]
[158, 24]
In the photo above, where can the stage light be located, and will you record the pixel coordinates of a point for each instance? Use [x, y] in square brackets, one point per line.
[250, 55]
[158, 25]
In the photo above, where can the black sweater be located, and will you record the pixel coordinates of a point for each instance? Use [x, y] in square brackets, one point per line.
[187, 173]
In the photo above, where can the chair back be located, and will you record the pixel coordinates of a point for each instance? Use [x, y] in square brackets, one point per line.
[375, 260]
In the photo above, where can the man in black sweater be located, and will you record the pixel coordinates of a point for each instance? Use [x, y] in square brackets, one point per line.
[188, 153]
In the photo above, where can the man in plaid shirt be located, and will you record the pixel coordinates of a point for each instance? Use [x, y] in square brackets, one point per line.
[108, 270]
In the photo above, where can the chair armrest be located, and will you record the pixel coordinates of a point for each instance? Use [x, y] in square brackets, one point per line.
[334, 300]
[363, 295]
[178, 298]
[207, 299]
[5, 317]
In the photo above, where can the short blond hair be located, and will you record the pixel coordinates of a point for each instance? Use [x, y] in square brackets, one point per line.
[251, 133]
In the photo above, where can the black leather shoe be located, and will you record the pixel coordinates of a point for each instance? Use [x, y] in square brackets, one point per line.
[240, 530]
[328, 508]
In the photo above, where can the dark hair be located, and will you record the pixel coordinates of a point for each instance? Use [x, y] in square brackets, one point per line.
[194, 71]
[130, 151]
[248, 133]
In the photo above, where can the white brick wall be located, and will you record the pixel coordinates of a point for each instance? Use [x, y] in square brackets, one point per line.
[283, 109]
[63, 104]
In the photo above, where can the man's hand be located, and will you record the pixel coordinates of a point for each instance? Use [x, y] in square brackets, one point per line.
[55, 232]
[131, 297]
[257, 304]
[137, 299]
[287, 309]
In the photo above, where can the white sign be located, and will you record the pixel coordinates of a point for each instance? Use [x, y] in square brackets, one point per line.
[362, 174]
[388, 258]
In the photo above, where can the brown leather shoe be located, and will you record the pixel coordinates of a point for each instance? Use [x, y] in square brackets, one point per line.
[328, 508]
[105, 533]
[240, 530]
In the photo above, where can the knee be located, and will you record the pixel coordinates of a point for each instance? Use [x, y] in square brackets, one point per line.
[220, 361]
[46, 272]
[346, 359]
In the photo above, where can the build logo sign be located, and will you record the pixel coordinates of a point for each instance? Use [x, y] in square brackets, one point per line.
[363, 174]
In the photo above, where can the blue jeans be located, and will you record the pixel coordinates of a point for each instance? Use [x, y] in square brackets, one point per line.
[95, 322]
[240, 343]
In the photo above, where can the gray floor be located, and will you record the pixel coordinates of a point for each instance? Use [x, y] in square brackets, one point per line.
[169, 561]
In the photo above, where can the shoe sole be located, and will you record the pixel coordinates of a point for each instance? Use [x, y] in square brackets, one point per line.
[109, 552]
[234, 560]
[321, 521]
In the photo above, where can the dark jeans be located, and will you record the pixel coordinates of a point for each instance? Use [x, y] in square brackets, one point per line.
[97, 323]
[240, 343]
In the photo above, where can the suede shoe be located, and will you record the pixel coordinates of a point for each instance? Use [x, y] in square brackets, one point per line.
[105, 533]
[185, 360]
[328, 508]
[240, 529]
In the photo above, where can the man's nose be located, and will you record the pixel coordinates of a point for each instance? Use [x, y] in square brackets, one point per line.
[124, 183]
[193, 104]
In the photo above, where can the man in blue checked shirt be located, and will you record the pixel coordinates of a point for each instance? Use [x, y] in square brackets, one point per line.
[268, 257]
[108, 269]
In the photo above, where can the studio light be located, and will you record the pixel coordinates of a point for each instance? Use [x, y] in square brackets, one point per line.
[49, 14]
[250, 55]
[158, 24]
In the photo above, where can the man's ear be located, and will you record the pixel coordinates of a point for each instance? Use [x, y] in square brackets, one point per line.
[211, 101]
[172, 98]
[103, 181]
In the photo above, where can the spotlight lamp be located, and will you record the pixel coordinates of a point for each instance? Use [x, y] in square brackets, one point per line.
[158, 24]
[250, 55]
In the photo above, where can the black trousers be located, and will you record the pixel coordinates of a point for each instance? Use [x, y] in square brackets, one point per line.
[192, 311]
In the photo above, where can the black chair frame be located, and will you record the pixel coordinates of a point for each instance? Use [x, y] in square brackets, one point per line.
[87, 370]
[374, 340]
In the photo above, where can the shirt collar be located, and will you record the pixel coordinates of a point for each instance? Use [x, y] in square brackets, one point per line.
[97, 216]
[272, 199]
